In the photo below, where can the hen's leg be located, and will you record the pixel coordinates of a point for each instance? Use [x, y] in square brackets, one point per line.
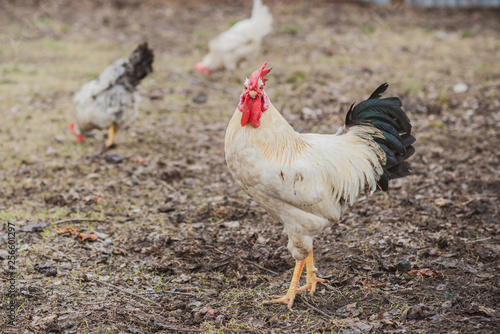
[311, 279]
[292, 291]
[111, 135]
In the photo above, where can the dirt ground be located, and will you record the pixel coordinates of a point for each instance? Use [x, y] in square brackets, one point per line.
[180, 248]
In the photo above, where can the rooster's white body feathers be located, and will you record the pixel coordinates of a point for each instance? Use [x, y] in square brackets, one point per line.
[306, 181]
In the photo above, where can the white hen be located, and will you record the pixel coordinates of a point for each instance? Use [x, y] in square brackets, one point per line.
[112, 101]
[240, 42]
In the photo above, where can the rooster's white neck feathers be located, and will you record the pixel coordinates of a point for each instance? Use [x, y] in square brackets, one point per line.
[277, 140]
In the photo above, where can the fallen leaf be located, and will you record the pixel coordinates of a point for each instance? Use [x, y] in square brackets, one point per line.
[4, 254]
[98, 199]
[85, 236]
[183, 278]
[348, 309]
[448, 176]
[404, 315]
[354, 323]
[204, 313]
[378, 316]
[33, 227]
[440, 202]
[67, 230]
[114, 158]
[403, 265]
[43, 322]
[139, 160]
[425, 272]
[47, 268]
[231, 224]
[220, 319]
[195, 303]
[488, 311]
[366, 283]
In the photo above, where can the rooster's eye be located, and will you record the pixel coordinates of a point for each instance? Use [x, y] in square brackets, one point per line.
[261, 87]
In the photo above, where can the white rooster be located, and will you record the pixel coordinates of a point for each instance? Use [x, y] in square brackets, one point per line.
[240, 42]
[112, 101]
[307, 181]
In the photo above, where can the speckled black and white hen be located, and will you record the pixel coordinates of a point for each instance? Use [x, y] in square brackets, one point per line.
[111, 101]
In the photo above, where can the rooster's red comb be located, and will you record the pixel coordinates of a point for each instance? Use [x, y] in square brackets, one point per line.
[259, 74]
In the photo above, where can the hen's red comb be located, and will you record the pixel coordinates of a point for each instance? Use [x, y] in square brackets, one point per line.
[259, 74]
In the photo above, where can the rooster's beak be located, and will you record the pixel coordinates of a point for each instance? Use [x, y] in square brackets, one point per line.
[252, 94]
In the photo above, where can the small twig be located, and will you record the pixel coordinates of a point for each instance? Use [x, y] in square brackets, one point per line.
[93, 303]
[181, 293]
[128, 292]
[173, 292]
[180, 329]
[261, 267]
[219, 251]
[333, 288]
[172, 189]
[80, 220]
[317, 309]
[478, 240]
[420, 188]
[221, 265]
[247, 261]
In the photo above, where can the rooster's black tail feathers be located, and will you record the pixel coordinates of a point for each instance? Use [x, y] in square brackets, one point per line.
[396, 140]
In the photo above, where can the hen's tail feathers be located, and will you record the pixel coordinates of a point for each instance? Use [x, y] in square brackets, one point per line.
[257, 7]
[262, 17]
[395, 139]
[139, 65]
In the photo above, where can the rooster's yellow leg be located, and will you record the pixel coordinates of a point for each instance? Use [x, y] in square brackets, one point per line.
[111, 135]
[292, 291]
[311, 279]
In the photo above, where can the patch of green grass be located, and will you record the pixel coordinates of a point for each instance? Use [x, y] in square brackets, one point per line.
[209, 328]
[289, 29]
[410, 85]
[48, 234]
[21, 213]
[368, 30]
[341, 60]
[324, 60]
[55, 25]
[18, 36]
[437, 124]
[467, 33]
[235, 325]
[203, 32]
[296, 76]
[199, 45]
[486, 70]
